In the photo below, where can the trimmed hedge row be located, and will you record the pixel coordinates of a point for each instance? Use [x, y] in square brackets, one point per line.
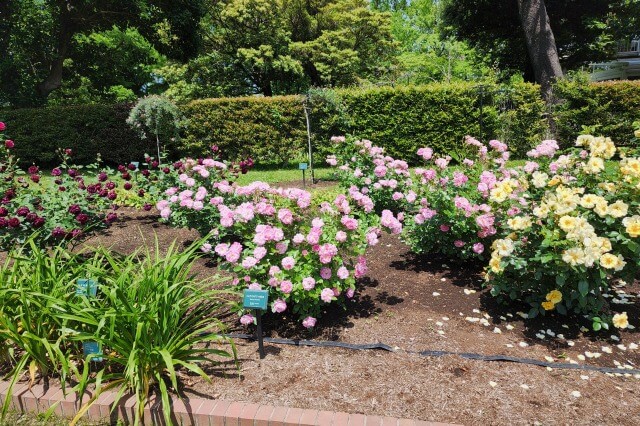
[87, 129]
[273, 130]
[612, 106]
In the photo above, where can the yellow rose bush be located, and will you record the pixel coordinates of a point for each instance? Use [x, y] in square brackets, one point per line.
[577, 231]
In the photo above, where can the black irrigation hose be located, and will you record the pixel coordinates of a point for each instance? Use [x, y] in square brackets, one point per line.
[465, 355]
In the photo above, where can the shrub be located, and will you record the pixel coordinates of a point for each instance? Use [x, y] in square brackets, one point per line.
[72, 207]
[271, 129]
[158, 119]
[449, 211]
[576, 233]
[88, 130]
[609, 106]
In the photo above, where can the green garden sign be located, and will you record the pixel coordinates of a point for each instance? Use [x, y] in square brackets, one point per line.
[258, 301]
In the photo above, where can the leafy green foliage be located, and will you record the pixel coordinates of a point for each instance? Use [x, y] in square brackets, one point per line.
[86, 129]
[611, 107]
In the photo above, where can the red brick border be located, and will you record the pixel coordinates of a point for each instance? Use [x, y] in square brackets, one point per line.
[190, 412]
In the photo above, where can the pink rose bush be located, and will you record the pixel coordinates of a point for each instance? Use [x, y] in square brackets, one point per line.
[377, 181]
[451, 212]
[576, 232]
[276, 239]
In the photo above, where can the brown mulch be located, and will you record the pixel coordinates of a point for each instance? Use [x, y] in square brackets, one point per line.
[417, 303]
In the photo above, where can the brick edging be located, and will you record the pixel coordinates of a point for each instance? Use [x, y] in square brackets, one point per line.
[189, 411]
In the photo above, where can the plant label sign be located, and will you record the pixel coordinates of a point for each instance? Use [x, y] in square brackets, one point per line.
[255, 299]
[87, 288]
[92, 348]
[303, 166]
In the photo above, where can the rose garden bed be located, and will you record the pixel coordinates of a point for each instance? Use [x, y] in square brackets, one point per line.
[416, 303]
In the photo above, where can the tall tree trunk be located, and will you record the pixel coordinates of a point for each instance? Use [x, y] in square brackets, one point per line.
[540, 43]
[54, 78]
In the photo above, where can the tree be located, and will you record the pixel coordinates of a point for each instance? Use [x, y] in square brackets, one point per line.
[40, 33]
[582, 30]
[427, 54]
[540, 43]
[112, 65]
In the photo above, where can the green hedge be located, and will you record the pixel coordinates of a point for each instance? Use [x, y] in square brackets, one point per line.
[270, 130]
[273, 130]
[612, 106]
[86, 129]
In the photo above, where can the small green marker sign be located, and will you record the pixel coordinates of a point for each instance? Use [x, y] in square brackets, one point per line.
[87, 288]
[303, 166]
[92, 348]
[255, 299]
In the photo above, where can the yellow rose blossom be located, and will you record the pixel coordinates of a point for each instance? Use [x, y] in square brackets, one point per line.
[504, 247]
[539, 179]
[519, 223]
[601, 208]
[498, 195]
[554, 296]
[594, 166]
[588, 200]
[617, 209]
[636, 133]
[573, 256]
[621, 320]
[541, 211]
[630, 166]
[548, 306]
[608, 261]
[584, 140]
[494, 264]
[554, 181]
[607, 186]
[567, 223]
[632, 225]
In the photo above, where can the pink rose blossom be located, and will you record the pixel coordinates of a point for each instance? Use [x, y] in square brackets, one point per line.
[326, 295]
[286, 286]
[308, 283]
[459, 243]
[246, 319]
[325, 273]
[309, 322]
[279, 306]
[444, 228]
[288, 263]
[478, 248]
[341, 236]
[350, 292]
[342, 273]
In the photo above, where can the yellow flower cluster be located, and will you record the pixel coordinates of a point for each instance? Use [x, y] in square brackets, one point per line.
[503, 190]
[499, 249]
[598, 146]
[553, 298]
[630, 167]
[519, 223]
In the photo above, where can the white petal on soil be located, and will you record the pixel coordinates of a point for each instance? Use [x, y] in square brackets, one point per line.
[497, 330]
[633, 346]
[440, 332]
[445, 318]
[584, 377]
[560, 336]
[607, 349]
[436, 294]
[472, 319]
[523, 386]
[509, 327]
[523, 344]
[551, 333]
[615, 338]
[581, 357]
[584, 329]
[576, 394]
[549, 369]
[570, 342]
[621, 347]
[540, 336]
[548, 358]
[509, 345]
[443, 279]
[439, 324]
[493, 384]
[522, 315]
[477, 311]
[503, 318]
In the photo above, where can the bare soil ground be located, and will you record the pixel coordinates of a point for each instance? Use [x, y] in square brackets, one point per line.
[414, 304]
